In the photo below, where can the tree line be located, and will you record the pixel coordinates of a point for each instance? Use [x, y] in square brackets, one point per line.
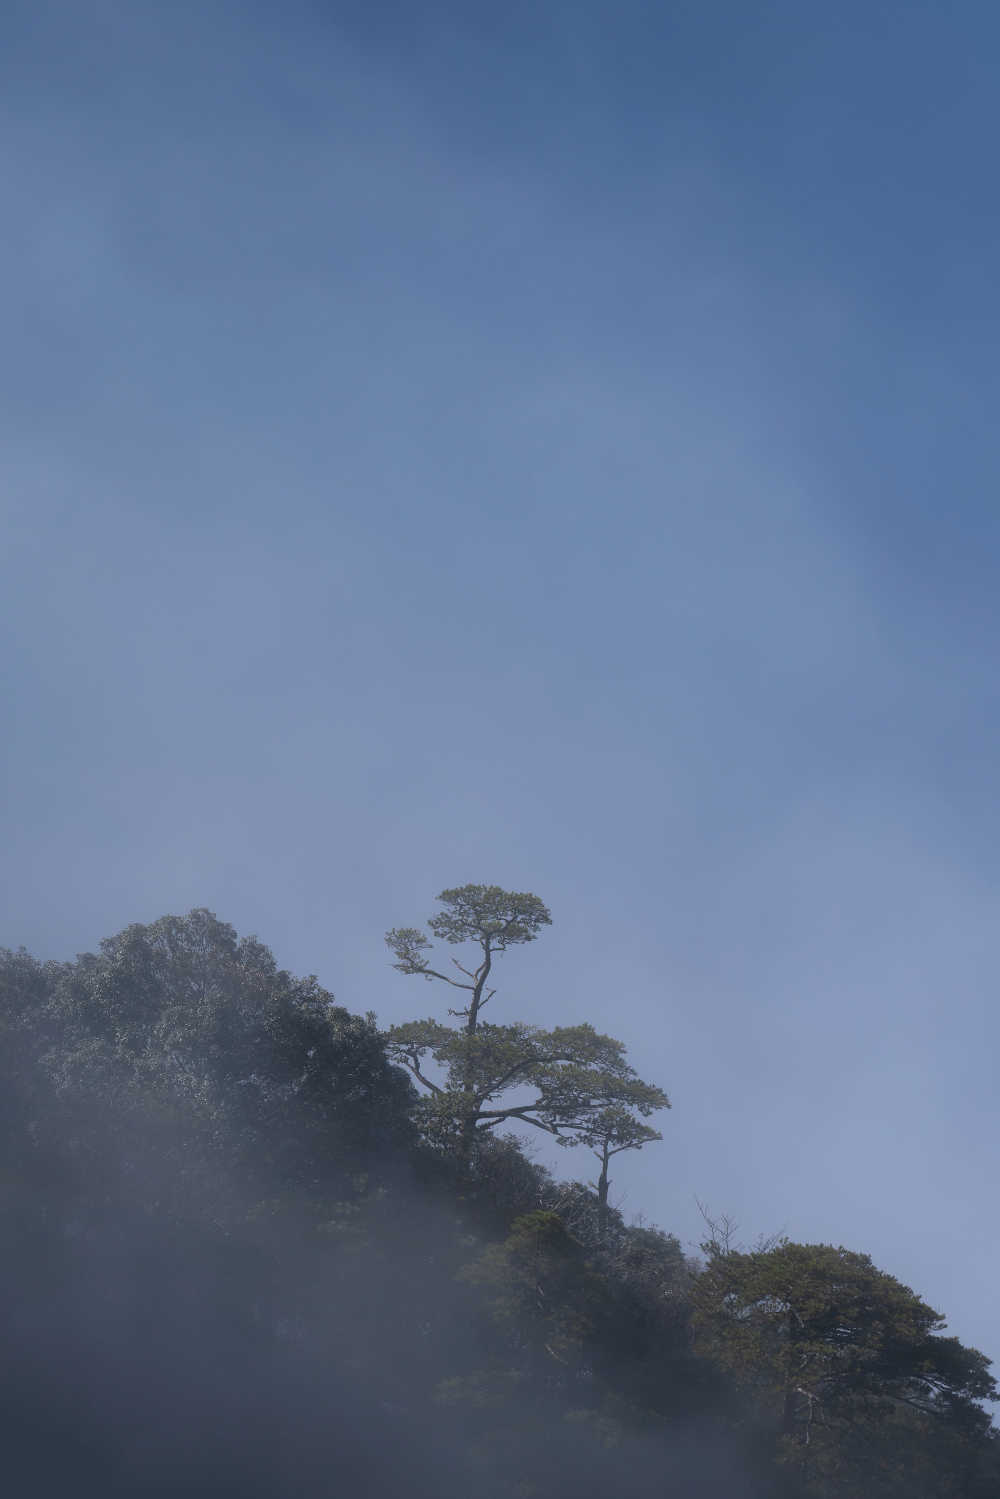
[254, 1244]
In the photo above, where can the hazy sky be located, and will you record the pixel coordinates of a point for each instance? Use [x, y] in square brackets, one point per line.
[552, 445]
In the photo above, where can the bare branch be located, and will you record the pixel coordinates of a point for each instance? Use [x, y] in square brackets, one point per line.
[723, 1231]
[411, 1062]
[523, 1112]
[432, 973]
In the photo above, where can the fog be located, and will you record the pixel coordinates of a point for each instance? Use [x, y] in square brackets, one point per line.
[153, 1352]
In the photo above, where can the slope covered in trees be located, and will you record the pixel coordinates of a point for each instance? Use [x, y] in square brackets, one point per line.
[253, 1246]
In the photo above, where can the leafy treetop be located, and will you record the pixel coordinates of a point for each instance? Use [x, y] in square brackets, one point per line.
[585, 1091]
[494, 919]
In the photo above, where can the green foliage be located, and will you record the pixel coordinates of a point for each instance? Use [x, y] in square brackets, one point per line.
[495, 919]
[539, 1312]
[485, 913]
[236, 1155]
[584, 1090]
[182, 1023]
[613, 1129]
[572, 1069]
[835, 1355]
[539, 1289]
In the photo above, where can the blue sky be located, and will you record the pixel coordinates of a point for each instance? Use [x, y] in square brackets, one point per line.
[552, 446]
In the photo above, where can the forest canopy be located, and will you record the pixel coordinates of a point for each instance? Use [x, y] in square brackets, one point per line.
[254, 1244]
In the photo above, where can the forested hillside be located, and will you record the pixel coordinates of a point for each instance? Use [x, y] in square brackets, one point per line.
[255, 1246]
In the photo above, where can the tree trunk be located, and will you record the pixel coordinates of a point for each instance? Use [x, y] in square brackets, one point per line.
[467, 1134]
[466, 1143]
[602, 1196]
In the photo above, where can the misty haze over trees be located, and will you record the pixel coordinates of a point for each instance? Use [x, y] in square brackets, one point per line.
[255, 1246]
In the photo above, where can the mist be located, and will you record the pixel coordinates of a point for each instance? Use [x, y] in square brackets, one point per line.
[553, 445]
[243, 1254]
[176, 1322]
